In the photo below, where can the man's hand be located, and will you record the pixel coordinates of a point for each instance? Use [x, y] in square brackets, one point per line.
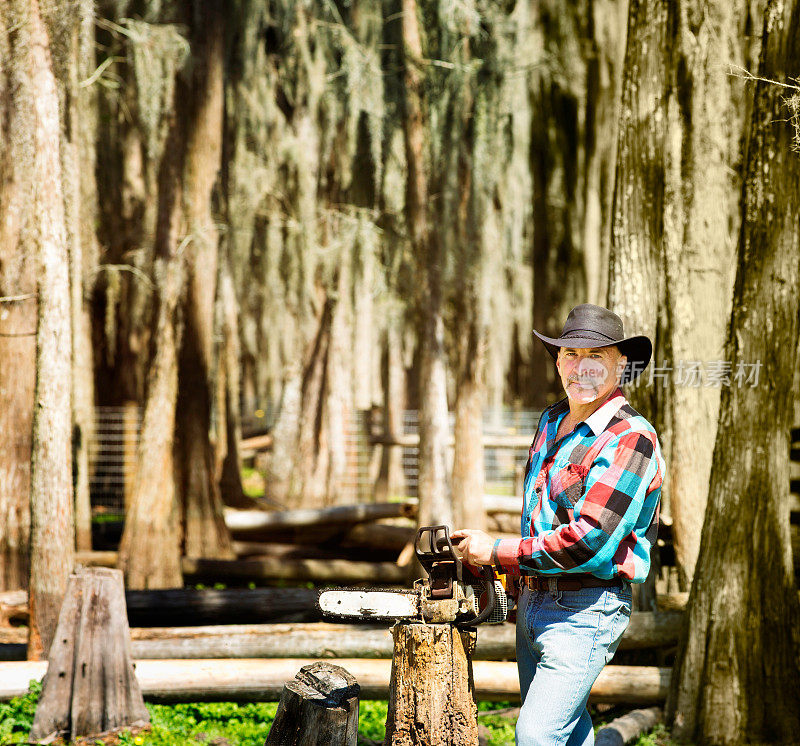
[474, 546]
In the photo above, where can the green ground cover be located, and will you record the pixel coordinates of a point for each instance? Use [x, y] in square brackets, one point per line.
[232, 724]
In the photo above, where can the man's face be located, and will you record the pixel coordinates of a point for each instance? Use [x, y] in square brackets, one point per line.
[590, 373]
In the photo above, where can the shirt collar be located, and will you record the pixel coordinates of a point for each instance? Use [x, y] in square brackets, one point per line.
[599, 419]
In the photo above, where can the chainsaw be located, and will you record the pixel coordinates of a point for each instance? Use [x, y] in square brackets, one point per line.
[451, 592]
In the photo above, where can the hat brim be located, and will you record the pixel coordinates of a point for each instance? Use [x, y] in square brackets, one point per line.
[638, 349]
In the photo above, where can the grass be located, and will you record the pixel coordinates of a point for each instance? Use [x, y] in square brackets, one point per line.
[232, 724]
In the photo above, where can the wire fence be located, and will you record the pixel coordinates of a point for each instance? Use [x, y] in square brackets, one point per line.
[112, 455]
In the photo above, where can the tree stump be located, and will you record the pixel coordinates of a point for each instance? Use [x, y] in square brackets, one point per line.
[90, 686]
[320, 706]
[432, 692]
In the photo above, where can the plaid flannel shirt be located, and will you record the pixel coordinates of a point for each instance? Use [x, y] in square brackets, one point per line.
[591, 499]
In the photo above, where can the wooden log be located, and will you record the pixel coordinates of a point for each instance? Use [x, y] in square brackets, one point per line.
[95, 558]
[628, 727]
[247, 446]
[262, 680]
[90, 686]
[503, 504]
[312, 641]
[320, 705]
[330, 551]
[325, 640]
[343, 572]
[411, 440]
[672, 601]
[431, 687]
[377, 536]
[13, 608]
[178, 607]
[240, 521]
[190, 606]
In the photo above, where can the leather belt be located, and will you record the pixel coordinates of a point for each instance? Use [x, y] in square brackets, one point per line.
[567, 583]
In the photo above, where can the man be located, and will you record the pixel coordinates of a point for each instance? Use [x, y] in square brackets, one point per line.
[589, 519]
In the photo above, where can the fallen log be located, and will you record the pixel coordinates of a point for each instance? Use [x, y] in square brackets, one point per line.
[259, 680]
[326, 640]
[672, 601]
[242, 521]
[324, 570]
[628, 727]
[255, 443]
[502, 504]
[340, 572]
[332, 550]
[511, 442]
[13, 608]
[377, 536]
[181, 607]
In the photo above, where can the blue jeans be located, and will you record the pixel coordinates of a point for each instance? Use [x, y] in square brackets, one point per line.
[564, 638]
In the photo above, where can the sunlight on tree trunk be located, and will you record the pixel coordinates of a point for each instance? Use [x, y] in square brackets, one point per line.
[52, 527]
[736, 679]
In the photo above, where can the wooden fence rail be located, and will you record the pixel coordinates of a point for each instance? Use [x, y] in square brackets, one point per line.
[325, 640]
[260, 680]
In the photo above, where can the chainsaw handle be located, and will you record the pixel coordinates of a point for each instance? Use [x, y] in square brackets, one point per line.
[487, 573]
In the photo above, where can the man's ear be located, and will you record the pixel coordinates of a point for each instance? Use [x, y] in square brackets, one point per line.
[621, 363]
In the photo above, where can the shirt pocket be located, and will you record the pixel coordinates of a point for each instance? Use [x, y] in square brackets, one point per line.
[567, 484]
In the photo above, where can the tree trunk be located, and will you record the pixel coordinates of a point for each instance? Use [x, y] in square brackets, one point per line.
[150, 549]
[228, 394]
[434, 495]
[735, 680]
[79, 106]
[205, 534]
[90, 686]
[676, 198]
[320, 705]
[607, 35]
[18, 293]
[52, 527]
[432, 692]
[468, 471]
[391, 479]
[701, 219]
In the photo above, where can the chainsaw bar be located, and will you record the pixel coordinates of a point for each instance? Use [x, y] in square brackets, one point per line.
[365, 605]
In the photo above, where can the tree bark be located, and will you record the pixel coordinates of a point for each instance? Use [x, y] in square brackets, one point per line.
[90, 686]
[150, 549]
[52, 527]
[432, 692]
[71, 27]
[681, 130]
[434, 492]
[735, 680]
[320, 705]
[607, 32]
[701, 219]
[18, 292]
[205, 534]
[468, 470]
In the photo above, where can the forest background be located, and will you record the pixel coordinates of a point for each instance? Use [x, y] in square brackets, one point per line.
[314, 209]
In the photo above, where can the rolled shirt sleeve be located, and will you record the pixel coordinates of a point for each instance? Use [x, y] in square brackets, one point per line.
[613, 524]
